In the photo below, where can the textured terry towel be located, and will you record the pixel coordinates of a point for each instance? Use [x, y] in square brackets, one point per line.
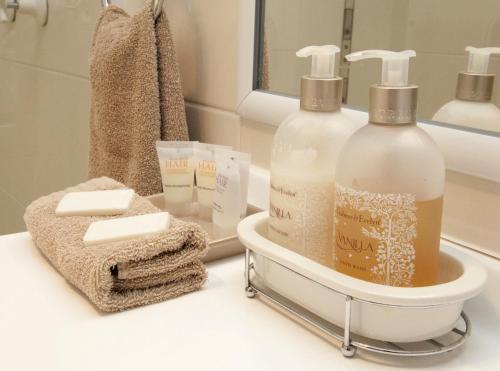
[123, 274]
[136, 97]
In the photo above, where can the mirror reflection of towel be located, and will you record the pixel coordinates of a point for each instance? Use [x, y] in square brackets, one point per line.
[136, 97]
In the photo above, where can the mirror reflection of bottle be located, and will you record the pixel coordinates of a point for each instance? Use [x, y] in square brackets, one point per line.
[472, 106]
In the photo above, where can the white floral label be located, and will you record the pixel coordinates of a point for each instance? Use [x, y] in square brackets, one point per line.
[387, 238]
[301, 216]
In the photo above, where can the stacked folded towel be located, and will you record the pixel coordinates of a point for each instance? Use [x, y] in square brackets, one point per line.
[123, 274]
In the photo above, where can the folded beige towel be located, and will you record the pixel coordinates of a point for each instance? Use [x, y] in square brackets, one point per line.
[136, 97]
[123, 274]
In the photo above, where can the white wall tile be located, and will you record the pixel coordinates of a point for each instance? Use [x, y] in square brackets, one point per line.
[256, 139]
[62, 45]
[212, 125]
[206, 39]
[45, 143]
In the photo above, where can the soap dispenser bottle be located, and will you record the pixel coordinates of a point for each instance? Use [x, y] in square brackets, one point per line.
[303, 157]
[390, 179]
[472, 106]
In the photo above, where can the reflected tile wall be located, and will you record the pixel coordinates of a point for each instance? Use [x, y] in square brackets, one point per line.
[293, 24]
[439, 31]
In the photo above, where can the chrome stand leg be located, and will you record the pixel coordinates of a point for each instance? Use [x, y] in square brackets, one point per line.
[347, 349]
[249, 290]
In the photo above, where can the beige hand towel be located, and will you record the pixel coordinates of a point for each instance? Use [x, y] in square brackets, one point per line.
[136, 97]
[122, 274]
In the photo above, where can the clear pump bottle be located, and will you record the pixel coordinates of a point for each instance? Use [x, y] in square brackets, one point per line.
[390, 180]
[304, 153]
[472, 106]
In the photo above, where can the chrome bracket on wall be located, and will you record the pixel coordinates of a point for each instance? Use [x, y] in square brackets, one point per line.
[349, 343]
[157, 6]
[9, 9]
[346, 46]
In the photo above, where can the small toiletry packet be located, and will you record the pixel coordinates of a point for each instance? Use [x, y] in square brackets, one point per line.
[176, 159]
[95, 203]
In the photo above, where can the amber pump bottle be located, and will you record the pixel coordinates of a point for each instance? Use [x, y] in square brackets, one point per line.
[390, 179]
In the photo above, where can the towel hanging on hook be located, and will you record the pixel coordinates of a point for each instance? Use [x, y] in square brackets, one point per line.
[136, 96]
[156, 4]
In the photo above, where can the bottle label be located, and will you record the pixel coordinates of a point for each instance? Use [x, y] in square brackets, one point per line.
[387, 238]
[301, 216]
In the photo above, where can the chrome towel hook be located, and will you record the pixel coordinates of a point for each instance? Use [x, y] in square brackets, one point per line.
[157, 6]
[36, 8]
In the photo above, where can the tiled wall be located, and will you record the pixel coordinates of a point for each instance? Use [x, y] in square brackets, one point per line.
[44, 104]
[44, 95]
[206, 36]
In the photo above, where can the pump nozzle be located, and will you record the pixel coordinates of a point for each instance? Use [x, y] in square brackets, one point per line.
[479, 58]
[394, 64]
[321, 90]
[323, 59]
[392, 102]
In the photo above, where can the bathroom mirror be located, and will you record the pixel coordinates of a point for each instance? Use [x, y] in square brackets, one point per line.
[438, 31]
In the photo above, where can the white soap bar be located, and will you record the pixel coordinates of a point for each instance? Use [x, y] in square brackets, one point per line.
[112, 202]
[126, 228]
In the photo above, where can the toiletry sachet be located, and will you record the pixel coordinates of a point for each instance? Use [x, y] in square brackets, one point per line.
[124, 274]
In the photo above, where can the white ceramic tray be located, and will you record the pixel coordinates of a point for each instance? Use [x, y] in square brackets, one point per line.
[392, 314]
[219, 247]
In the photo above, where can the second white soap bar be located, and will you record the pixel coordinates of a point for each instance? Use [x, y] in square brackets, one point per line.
[111, 202]
[120, 229]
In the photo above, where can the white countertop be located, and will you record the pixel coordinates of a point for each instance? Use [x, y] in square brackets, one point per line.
[46, 324]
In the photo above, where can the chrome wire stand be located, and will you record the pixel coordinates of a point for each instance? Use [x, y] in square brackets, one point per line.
[350, 342]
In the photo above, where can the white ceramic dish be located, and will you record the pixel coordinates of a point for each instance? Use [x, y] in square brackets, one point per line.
[394, 314]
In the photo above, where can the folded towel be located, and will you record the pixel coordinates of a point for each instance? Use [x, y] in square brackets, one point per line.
[136, 97]
[122, 274]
